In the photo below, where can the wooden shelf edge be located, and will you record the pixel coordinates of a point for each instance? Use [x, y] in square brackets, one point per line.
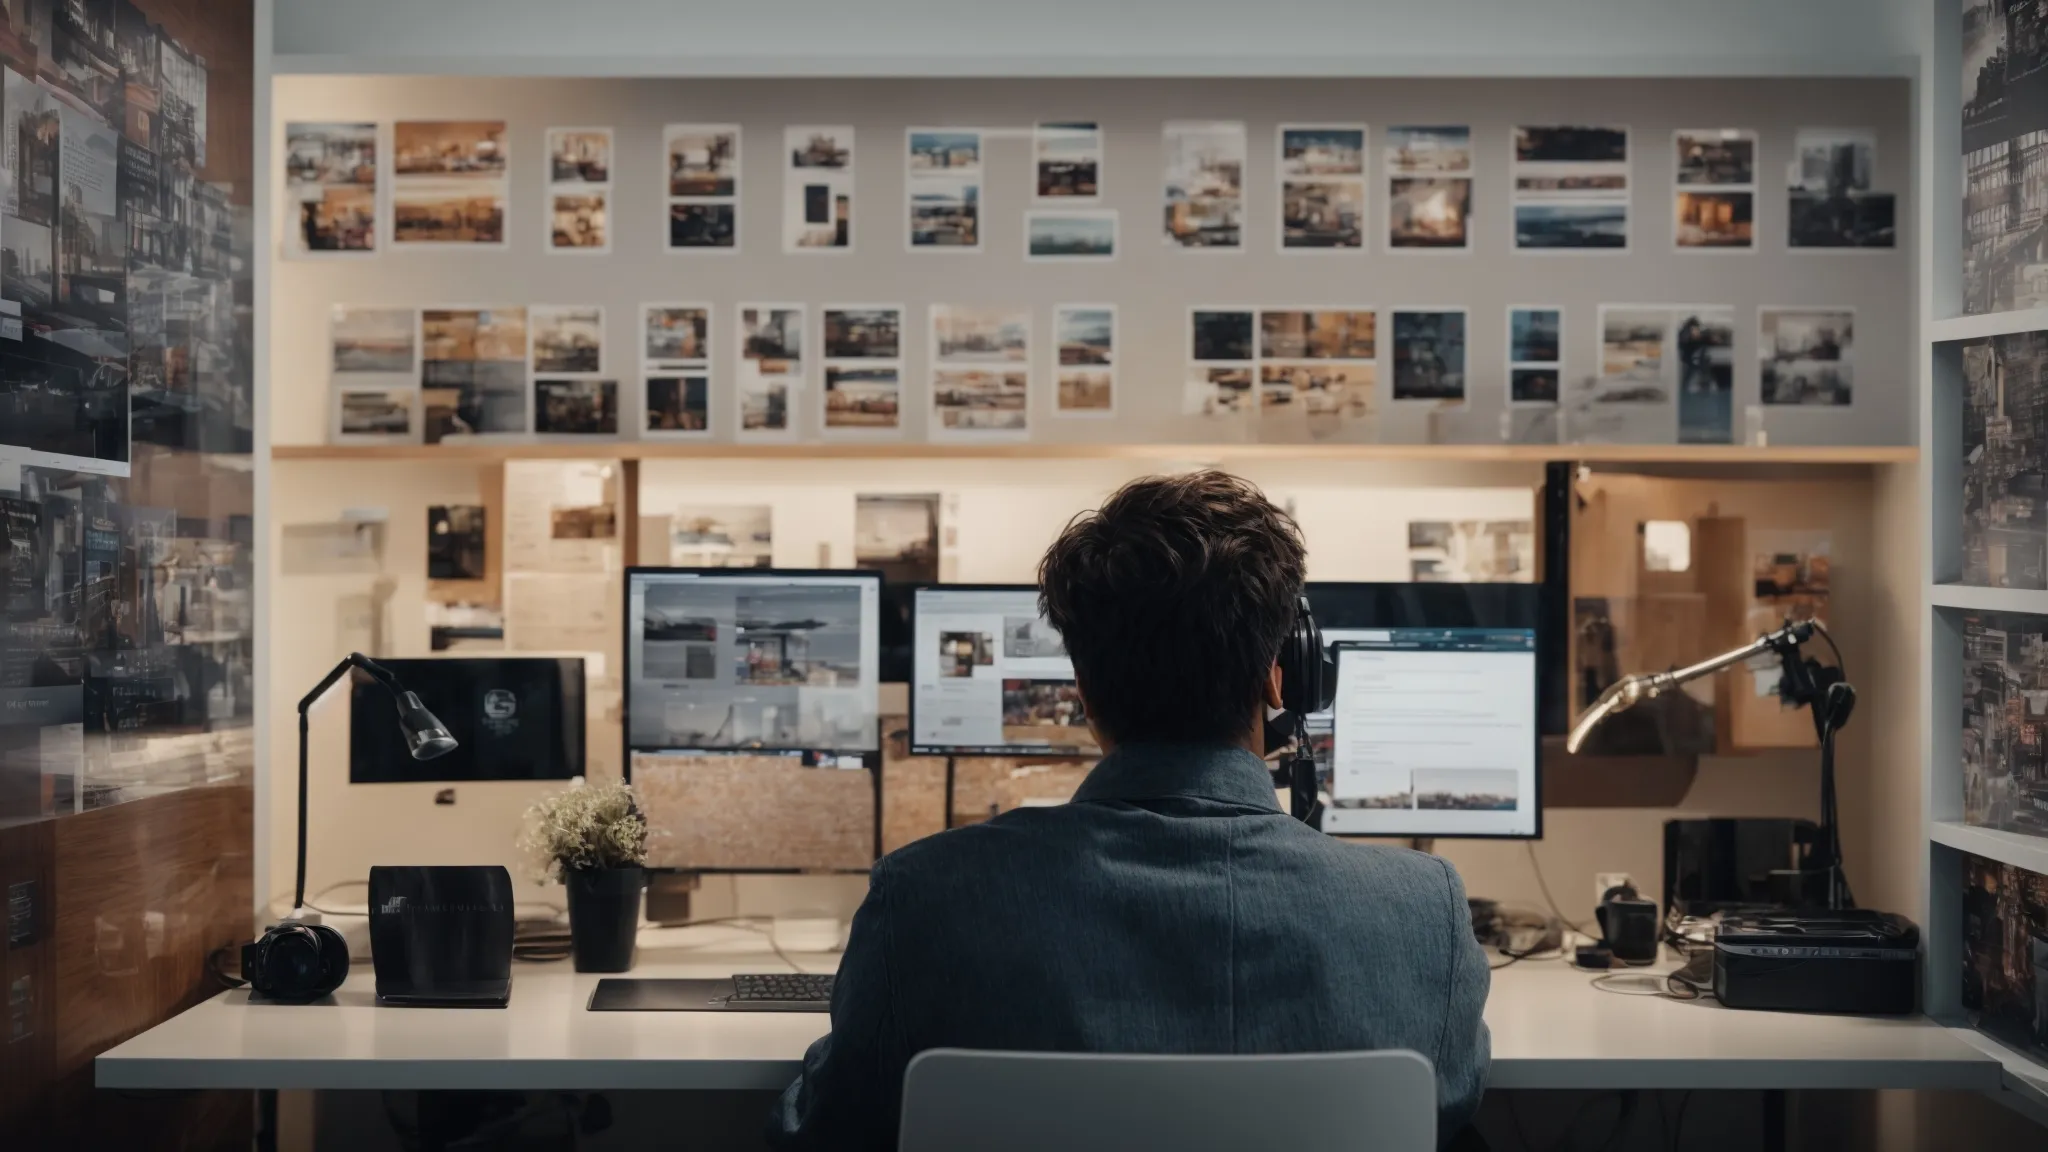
[2015, 848]
[869, 450]
[1976, 599]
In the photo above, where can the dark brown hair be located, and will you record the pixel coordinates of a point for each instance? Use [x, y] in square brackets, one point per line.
[1173, 599]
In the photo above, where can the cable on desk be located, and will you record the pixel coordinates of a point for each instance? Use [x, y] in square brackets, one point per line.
[1536, 867]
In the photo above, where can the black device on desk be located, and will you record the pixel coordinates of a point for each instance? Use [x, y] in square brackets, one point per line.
[771, 992]
[1849, 960]
[441, 937]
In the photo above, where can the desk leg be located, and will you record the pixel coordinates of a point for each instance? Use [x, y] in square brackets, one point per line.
[1774, 1120]
[266, 1120]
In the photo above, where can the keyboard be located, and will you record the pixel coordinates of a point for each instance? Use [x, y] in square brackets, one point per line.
[782, 988]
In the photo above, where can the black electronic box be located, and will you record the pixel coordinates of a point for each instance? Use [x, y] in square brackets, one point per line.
[1849, 961]
[441, 936]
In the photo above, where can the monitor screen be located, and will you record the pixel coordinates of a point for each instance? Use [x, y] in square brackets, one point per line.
[769, 659]
[513, 718]
[1434, 734]
[990, 677]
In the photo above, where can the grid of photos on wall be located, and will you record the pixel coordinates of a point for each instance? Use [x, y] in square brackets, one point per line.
[1316, 369]
[675, 371]
[701, 186]
[863, 370]
[126, 398]
[579, 190]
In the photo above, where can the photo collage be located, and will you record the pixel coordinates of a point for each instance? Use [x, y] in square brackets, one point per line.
[449, 183]
[771, 343]
[981, 372]
[942, 181]
[701, 186]
[863, 358]
[1316, 369]
[1429, 188]
[675, 370]
[579, 192]
[1322, 187]
[331, 187]
[817, 189]
[571, 396]
[1535, 354]
[1571, 188]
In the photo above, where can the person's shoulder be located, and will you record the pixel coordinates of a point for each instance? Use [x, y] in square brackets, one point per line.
[1384, 869]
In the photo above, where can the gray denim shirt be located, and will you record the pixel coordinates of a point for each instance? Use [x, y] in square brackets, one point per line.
[1170, 908]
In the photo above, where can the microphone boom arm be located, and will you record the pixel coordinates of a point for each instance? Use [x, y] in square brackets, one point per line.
[1630, 691]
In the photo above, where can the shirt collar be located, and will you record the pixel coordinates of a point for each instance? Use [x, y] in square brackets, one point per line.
[1229, 775]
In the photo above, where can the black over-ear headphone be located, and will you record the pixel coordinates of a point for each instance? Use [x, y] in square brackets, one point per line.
[1308, 677]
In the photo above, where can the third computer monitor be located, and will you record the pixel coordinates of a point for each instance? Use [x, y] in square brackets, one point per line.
[989, 677]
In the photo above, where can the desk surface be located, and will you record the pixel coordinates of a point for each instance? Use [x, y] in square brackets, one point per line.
[1551, 1029]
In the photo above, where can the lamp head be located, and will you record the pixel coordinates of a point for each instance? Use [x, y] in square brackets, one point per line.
[425, 736]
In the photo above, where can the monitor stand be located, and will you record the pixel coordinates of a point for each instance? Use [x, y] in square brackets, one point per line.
[1422, 843]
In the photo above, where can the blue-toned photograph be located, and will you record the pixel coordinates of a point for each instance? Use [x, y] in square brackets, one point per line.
[1571, 225]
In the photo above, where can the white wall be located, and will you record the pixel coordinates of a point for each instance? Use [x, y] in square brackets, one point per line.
[1087, 37]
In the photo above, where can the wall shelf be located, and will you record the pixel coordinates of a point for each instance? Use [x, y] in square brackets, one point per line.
[1976, 599]
[1992, 324]
[1681, 454]
[2017, 848]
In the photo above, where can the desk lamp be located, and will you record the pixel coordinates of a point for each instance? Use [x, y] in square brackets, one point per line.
[296, 961]
[1804, 682]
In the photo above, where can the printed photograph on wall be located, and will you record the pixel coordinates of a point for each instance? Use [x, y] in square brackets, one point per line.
[942, 184]
[897, 535]
[2005, 524]
[1429, 187]
[2005, 951]
[675, 370]
[1429, 355]
[1705, 342]
[455, 541]
[1084, 337]
[575, 407]
[981, 374]
[1066, 160]
[1204, 184]
[700, 185]
[330, 187]
[1535, 354]
[1830, 201]
[771, 375]
[2004, 138]
[863, 369]
[1070, 234]
[473, 371]
[373, 372]
[567, 338]
[1322, 186]
[1716, 195]
[449, 184]
[1807, 355]
[579, 190]
[817, 189]
[1222, 363]
[1571, 186]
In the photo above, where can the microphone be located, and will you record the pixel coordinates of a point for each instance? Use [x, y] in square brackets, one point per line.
[1630, 691]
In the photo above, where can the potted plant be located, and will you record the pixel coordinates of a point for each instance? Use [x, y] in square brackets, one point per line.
[593, 839]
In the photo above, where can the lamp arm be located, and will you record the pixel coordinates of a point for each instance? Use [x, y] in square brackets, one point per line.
[381, 675]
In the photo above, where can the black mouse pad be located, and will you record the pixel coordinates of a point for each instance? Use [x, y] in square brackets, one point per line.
[625, 995]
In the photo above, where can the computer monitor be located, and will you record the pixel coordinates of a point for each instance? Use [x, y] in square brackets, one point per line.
[990, 677]
[759, 660]
[1434, 734]
[513, 718]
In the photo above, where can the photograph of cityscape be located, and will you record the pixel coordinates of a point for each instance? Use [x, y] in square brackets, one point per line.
[1571, 187]
[861, 396]
[943, 185]
[331, 181]
[1571, 226]
[1806, 355]
[1718, 156]
[1070, 234]
[450, 182]
[376, 413]
[2005, 951]
[1429, 355]
[679, 403]
[872, 332]
[1204, 183]
[967, 334]
[576, 407]
[1632, 354]
[1086, 338]
[979, 400]
[567, 338]
[1466, 789]
[2005, 711]
[1831, 204]
[1067, 160]
[2004, 145]
[1322, 186]
[2005, 457]
[373, 340]
[722, 536]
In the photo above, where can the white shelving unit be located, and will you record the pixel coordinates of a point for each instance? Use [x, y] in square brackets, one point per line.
[1945, 603]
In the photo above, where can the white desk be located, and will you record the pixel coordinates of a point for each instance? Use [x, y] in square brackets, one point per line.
[1551, 1029]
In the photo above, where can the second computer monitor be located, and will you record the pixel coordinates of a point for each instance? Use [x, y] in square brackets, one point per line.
[1434, 734]
[763, 659]
[989, 677]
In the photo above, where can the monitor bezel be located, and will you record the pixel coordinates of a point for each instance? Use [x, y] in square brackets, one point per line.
[1338, 647]
[956, 752]
[878, 753]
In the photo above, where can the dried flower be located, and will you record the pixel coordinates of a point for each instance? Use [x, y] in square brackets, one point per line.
[590, 826]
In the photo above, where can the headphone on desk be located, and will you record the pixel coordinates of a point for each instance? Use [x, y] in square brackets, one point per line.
[1308, 677]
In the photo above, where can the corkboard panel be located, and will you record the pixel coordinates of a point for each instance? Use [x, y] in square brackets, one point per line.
[755, 813]
[913, 788]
